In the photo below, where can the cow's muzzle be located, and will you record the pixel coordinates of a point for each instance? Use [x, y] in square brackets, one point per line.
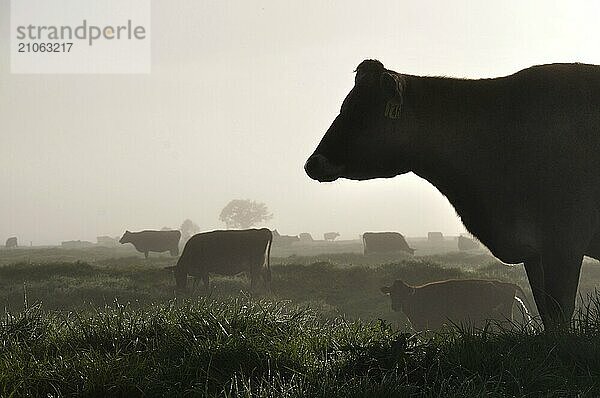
[319, 168]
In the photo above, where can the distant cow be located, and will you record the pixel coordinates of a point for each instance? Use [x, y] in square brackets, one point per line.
[284, 240]
[226, 253]
[465, 243]
[305, 237]
[76, 244]
[435, 238]
[330, 236]
[11, 242]
[107, 241]
[467, 301]
[153, 241]
[385, 242]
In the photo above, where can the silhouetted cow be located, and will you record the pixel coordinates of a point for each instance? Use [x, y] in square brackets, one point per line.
[76, 244]
[385, 242]
[153, 241]
[435, 238]
[330, 236]
[517, 156]
[466, 301]
[226, 253]
[305, 237]
[11, 242]
[284, 240]
[107, 241]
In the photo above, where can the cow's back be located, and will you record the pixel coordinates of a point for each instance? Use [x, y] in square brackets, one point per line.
[550, 134]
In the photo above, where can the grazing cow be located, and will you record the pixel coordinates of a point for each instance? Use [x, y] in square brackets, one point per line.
[469, 301]
[284, 240]
[435, 238]
[76, 244]
[330, 236]
[517, 156]
[305, 237]
[11, 242]
[226, 253]
[465, 243]
[385, 242]
[153, 241]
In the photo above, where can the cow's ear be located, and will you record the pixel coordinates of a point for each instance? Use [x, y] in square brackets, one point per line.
[392, 84]
[385, 290]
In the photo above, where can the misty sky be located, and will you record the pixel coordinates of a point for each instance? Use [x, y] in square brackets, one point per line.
[239, 95]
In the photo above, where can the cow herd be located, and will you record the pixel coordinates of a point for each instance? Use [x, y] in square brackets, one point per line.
[517, 157]
[230, 252]
[431, 306]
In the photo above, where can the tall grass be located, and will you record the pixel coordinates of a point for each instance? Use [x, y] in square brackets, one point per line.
[255, 348]
[110, 326]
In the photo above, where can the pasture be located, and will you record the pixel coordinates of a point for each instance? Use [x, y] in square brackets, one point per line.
[105, 321]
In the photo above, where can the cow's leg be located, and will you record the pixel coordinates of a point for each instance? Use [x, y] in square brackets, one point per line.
[561, 278]
[266, 275]
[562, 254]
[205, 280]
[535, 275]
[146, 255]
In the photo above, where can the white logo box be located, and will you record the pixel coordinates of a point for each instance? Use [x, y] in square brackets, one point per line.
[80, 36]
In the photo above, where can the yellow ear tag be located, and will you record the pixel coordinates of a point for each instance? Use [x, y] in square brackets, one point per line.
[392, 109]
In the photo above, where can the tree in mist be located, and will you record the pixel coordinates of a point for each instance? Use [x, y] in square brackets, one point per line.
[188, 229]
[244, 213]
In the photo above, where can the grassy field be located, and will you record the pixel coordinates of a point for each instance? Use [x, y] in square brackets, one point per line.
[106, 322]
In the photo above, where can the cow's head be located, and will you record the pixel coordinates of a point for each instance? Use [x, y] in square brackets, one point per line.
[126, 238]
[369, 138]
[399, 292]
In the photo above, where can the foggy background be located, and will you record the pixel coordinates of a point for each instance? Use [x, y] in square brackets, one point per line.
[239, 96]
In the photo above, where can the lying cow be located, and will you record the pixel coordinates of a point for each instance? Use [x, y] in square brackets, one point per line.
[226, 253]
[458, 301]
[153, 241]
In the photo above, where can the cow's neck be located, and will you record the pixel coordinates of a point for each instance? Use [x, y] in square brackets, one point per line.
[457, 135]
